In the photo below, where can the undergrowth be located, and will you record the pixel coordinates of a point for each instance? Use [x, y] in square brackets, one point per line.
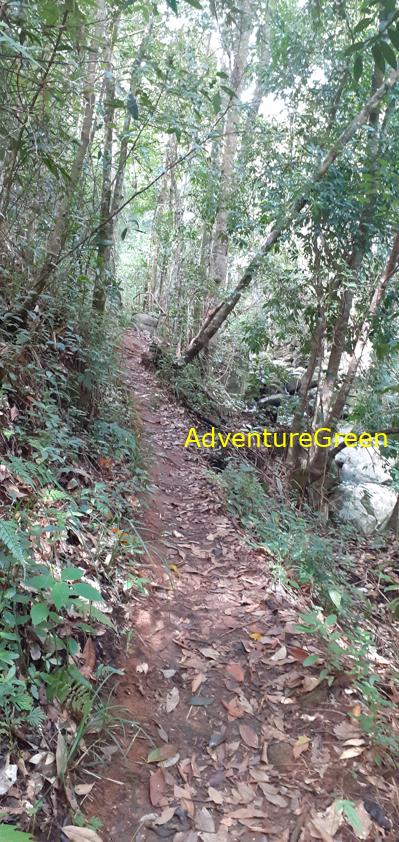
[203, 394]
[307, 555]
[69, 547]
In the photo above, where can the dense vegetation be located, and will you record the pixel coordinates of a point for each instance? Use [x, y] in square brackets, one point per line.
[230, 171]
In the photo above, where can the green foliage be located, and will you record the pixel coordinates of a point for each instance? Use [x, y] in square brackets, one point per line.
[9, 833]
[304, 552]
[55, 500]
[205, 394]
[350, 649]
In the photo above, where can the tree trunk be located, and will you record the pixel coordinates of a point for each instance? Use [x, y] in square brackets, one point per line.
[220, 240]
[316, 467]
[390, 269]
[355, 262]
[105, 231]
[59, 231]
[220, 313]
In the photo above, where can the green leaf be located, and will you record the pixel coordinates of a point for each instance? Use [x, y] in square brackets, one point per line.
[378, 57]
[17, 47]
[336, 597]
[389, 54]
[200, 701]
[228, 91]
[71, 574]
[60, 594]
[87, 591]
[173, 5]
[7, 656]
[349, 810]
[358, 68]
[8, 833]
[101, 618]
[51, 165]
[39, 613]
[194, 3]
[394, 36]
[132, 107]
[310, 660]
[331, 620]
[11, 537]
[363, 24]
[216, 102]
[43, 580]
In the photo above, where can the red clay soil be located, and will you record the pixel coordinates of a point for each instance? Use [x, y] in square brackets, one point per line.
[252, 746]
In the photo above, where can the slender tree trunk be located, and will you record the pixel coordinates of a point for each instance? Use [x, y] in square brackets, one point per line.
[220, 313]
[264, 59]
[220, 239]
[117, 195]
[156, 230]
[355, 262]
[105, 232]
[13, 158]
[59, 231]
[316, 467]
[390, 270]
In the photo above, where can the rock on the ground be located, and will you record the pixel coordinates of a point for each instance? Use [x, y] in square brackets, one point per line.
[367, 506]
[363, 464]
[146, 322]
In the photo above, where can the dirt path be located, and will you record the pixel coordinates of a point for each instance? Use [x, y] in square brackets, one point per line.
[215, 677]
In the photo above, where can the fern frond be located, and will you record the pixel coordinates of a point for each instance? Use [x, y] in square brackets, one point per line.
[11, 537]
[36, 717]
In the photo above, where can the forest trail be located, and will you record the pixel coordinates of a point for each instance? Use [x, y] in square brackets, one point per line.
[214, 676]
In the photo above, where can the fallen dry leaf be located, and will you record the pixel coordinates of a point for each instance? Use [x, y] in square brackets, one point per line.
[83, 789]
[81, 834]
[158, 755]
[166, 815]
[204, 820]
[310, 682]
[345, 730]
[215, 795]
[248, 813]
[233, 707]
[236, 671]
[273, 797]
[327, 823]
[157, 787]
[89, 657]
[197, 681]
[301, 745]
[8, 776]
[61, 755]
[210, 653]
[172, 700]
[249, 736]
[365, 821]
[354, 751]
[280, 655]
[298, 653]
[245, 792]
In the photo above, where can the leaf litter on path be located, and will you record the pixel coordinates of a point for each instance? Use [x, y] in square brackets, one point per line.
[264, 749]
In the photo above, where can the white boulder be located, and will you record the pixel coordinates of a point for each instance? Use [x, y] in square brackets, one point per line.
[367, 506]
[363, 464]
